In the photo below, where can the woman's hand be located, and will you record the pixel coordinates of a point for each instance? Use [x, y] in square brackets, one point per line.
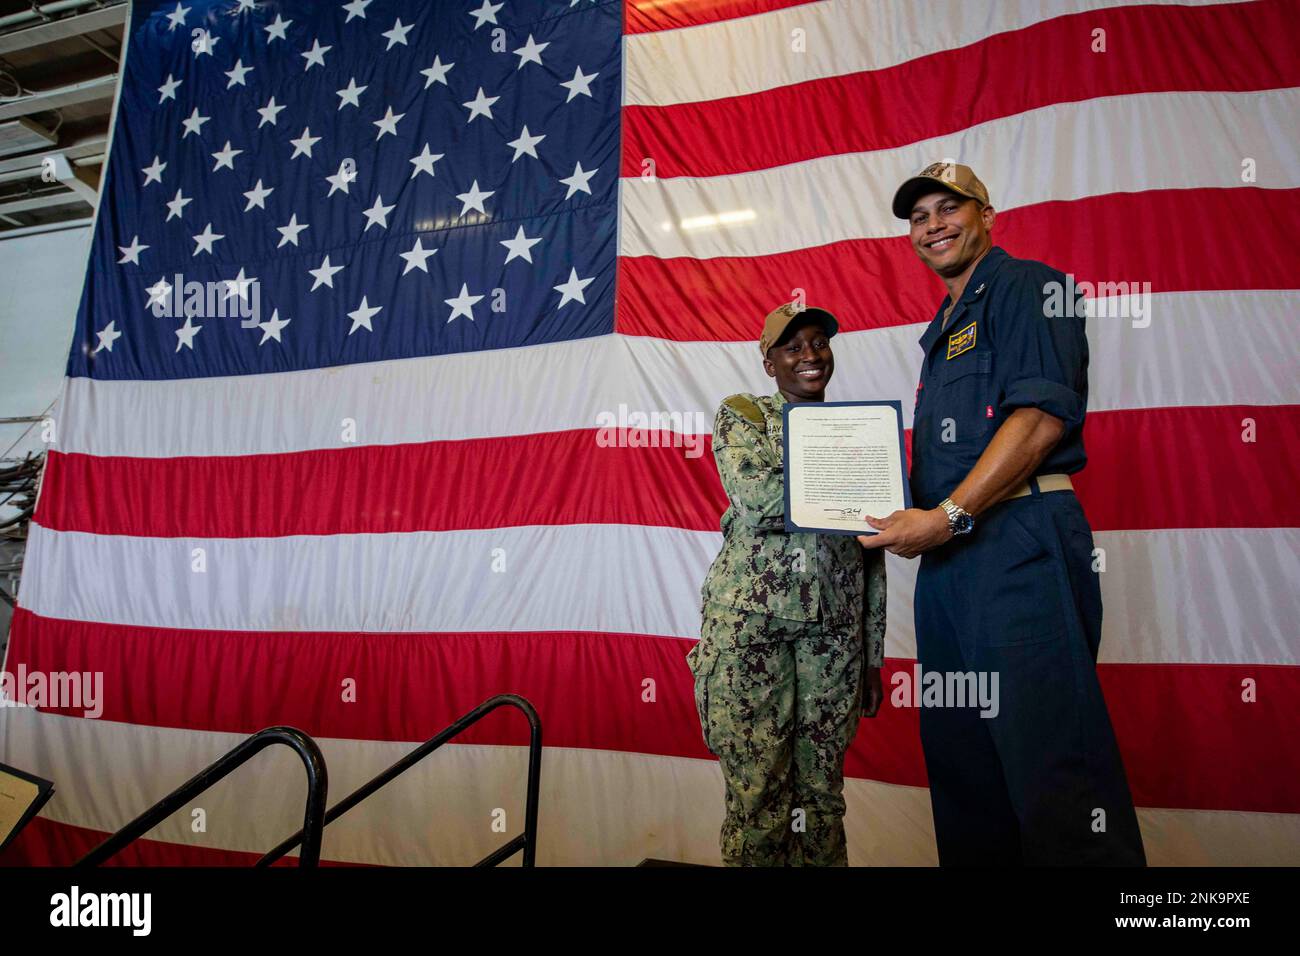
[873, 695]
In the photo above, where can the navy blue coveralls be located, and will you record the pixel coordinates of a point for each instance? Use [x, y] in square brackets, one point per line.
[1017, 596]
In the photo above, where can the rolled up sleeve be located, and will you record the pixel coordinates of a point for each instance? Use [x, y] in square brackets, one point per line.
[1045, 355]
[754, 483]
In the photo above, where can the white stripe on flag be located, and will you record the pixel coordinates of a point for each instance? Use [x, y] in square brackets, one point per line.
[1115, 144]
[1165, 591]
[1243, 357]
[597, 807]
[750, 54]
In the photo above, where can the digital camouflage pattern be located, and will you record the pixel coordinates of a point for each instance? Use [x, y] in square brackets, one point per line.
[779, 703]
[762, 569]
[779, 665]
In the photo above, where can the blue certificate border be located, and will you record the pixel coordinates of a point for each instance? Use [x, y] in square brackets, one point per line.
[785, 461]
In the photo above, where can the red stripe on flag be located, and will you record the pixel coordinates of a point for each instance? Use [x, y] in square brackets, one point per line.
[1150, 49]
[1186, 452]
[1189, 740]
[1169, 467]
[387, 488]
[648, 16]
[874, 283]
[51, 843]
[408, 686]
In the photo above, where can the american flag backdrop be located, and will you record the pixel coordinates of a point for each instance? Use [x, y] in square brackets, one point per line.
[474, 231]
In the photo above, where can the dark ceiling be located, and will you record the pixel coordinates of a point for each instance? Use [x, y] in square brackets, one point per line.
[58, 70]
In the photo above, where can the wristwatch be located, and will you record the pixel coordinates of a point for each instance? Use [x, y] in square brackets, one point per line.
[960, 520]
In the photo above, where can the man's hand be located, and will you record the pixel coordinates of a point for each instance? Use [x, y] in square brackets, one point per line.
[873, 695]
[908, 533]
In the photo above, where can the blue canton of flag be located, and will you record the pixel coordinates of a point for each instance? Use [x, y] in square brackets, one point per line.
[381, 179]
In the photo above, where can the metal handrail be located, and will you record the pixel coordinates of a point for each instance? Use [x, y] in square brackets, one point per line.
[313, 816]
[526, 841]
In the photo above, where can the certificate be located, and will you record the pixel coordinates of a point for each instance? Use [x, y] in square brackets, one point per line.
[843, 461]
[21, 795]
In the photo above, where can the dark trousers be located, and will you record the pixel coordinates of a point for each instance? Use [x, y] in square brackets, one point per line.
[1042, 782]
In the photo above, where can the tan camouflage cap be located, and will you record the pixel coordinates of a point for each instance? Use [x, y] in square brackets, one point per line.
[953, 177]
[779, 319]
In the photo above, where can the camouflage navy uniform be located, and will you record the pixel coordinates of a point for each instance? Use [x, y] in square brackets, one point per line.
[779, 665]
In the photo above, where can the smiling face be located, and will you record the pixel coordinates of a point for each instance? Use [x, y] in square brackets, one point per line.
[802, 363]
[949, 232]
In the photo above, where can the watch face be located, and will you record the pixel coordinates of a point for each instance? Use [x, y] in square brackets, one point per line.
[962, 524]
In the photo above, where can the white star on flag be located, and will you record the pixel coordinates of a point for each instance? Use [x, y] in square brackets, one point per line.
[176, 206]
[473, 199]
[415, 259]
[388, 124]
[185, 334]
[397, 34]
[571, 291]
[303, 144]
[377, 215]
[347, 174]
[316, 55]
[276, 29]
[225, 157]
[424, 162]
[257, 196]
[194, 123]
[271, 329]
[520, 245]
[132, 252]
[349, 96]
[486, 13]
[238, 286]
[462, 304]
[204, 42]
[481, 105]
[530, 52]
[177, 17]
[290, 232]
[205, 239]
[269, 112]
[153, 173]
[324, 274]
[580, 84]
[158, 293]
[107, 337]
[356, 8]
[237, 74]
[525, 144]
[168, 89]
[579, 181]
[362, 315]
[436, 73]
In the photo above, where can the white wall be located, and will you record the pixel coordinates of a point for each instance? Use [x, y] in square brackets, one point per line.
[40, 286]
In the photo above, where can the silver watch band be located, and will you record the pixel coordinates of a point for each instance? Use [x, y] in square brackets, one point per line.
[955, 513]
